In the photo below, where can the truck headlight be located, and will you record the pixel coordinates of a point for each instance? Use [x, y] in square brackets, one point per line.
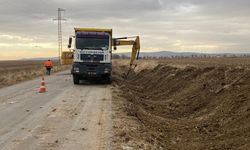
[106, 70]
[76, 69]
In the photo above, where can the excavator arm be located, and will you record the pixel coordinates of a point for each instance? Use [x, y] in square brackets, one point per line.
[135, 41]
[135, 49]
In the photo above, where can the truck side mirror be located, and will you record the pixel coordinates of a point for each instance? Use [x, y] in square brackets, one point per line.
[70, 42]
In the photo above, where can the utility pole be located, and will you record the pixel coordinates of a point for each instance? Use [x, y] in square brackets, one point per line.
[59, 19]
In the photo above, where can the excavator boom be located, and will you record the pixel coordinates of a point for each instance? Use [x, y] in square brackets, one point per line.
[126, 41]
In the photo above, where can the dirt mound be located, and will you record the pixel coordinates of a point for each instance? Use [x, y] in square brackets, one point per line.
[186, 108]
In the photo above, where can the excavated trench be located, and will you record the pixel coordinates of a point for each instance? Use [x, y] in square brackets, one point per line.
[191, 107]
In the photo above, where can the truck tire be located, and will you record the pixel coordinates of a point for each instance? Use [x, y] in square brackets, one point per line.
[109, 80]
[76, 79]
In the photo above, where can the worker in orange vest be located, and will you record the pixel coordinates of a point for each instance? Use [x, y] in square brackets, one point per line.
[48, 65]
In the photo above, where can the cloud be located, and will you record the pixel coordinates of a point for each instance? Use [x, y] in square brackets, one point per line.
[200, 25]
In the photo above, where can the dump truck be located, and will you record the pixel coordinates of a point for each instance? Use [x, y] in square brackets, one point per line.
[90, 53]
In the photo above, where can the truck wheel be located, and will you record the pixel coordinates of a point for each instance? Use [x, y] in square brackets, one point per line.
[109, 80]
[76, 79]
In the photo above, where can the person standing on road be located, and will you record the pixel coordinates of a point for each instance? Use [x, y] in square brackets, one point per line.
[48, 65]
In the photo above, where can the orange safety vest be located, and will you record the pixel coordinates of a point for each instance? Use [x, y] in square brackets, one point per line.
[48, 64]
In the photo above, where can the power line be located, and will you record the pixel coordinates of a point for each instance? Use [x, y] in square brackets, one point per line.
[60, 19]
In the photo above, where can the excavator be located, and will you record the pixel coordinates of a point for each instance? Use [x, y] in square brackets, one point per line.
[90, 53]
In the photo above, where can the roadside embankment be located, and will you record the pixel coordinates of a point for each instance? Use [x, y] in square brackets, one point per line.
[183, 105]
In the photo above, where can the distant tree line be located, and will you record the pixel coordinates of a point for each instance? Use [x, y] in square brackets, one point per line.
[123, 56]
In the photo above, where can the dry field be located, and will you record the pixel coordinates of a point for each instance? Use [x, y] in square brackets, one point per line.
[13, 72]
[164, 104]
[182, 104]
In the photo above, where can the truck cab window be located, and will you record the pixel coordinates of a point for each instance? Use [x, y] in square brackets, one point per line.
[92, 40]
[92, 43]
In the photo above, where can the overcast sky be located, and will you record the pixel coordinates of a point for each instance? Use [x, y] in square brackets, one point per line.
[27, 29]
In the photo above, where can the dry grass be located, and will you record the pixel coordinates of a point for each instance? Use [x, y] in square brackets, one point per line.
[13, 72]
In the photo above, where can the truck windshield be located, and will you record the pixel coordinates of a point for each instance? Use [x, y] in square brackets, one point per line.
[92, 43]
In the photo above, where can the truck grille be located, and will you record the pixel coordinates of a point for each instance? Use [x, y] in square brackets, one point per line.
[89, 57]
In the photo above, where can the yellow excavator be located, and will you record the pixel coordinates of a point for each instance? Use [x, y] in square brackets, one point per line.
[90, 53]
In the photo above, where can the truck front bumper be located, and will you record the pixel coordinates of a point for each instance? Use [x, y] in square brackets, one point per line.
[92, 70]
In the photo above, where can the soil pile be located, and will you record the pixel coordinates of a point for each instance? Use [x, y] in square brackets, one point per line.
[190, 107]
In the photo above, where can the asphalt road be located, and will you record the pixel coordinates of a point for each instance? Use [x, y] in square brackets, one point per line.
[67, 116]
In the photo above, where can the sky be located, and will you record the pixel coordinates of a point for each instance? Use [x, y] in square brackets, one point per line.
[27, 28]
